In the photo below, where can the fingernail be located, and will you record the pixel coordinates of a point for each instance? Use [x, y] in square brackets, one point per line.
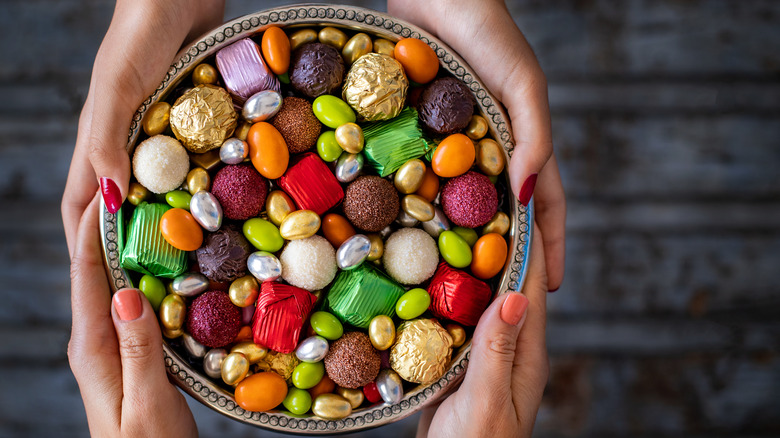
[527, 190]
[128, 305]
[514, 308]
[553, 290]
[111, 194]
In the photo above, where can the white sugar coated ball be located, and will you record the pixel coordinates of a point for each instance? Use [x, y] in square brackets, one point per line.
[411, 256]
[160, 163]
[309, 263]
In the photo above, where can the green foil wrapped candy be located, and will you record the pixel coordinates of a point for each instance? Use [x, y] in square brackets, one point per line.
[390, 144]
[360, 294]
[146, 250]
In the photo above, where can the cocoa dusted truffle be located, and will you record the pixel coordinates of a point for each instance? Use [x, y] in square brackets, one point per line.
[222, 258]
[469, 200]
[446, 106]
[240, 190]
[297, 124]
[371, 203]
[352, 361]
[316, 69]
[213, 320]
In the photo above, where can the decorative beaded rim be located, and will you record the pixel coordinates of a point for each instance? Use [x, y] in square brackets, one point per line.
[375, 23]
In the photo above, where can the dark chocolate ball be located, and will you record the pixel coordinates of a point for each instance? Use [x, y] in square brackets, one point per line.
[223, 255]
[371, 203]
[352, 361]
[297, 124]
[316, 69]
[213, 320]
[446, 106]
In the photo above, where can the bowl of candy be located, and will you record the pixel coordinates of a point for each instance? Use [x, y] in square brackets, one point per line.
[319, 212]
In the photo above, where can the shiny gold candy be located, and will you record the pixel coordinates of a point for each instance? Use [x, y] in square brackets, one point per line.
[243, 291]
[375, 87]
[250, 350]
[457, 333]
[357, 46]
[331, 407]
[301, 37]
[477, 127]
[198, 179]
[205, 74]
[333, 37]
[350, 137]
[172, 334]
[377, 247]
[207, 160]
[422, 351]
[300, 224]
[137, 193]
[280, 363]
[490, 157]
[409, 177]
[381, 332]
[278, 205]
[203, 118]
[242, 130]
[157, 118]
[417, 207]
[498, 224]
[355, 397]
[384, 47]
[172, 312]
[234, 368]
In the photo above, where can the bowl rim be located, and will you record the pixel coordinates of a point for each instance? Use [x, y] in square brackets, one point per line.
[376, 24]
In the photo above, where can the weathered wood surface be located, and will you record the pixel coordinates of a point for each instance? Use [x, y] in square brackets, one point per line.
[666, 121]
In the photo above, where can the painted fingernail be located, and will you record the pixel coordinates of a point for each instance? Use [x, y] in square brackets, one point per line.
[527, 190]
[111, 194]
[553, 290]
[127, 303]
[514, 308]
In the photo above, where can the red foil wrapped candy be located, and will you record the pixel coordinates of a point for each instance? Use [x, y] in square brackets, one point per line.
[458, 296]
[312, 185]
[280, 315]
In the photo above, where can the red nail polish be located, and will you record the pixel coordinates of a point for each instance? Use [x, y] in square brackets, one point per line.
[128, 304]
[527, 190]
[111, 194]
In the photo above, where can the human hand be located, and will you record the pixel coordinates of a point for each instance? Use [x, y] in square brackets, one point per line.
[115, 351]
[485, 35]
[133, 58]
[508, 367]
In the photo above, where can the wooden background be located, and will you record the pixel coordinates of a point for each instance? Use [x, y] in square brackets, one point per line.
[666, 118]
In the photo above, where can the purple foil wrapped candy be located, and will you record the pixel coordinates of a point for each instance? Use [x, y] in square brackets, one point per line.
[244, 71]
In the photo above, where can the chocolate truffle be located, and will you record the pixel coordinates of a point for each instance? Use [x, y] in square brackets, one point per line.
[222, 258]
[316, 69]
[371, 203]
[240, 190]
[213, 320]
[446, 106]
[352, 361]
[469, 200]
[297, 124]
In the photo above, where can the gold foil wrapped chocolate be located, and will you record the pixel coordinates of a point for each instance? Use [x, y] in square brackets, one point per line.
[280, 363]
[203, 117]
[376, 87]
[421, 351]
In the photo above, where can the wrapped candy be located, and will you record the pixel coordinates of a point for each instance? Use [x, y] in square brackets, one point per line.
[421, 351]
[458, 296]
[203, 118]
[146, 250]
[311, 184]
[244, 71]
[358, 295]
[280, 314]
[376, 87]
[390, 144]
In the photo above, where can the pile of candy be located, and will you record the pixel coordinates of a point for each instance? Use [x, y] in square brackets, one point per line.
[286, 219]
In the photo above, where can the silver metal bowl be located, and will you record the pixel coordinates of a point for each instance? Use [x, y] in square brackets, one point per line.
[374, 23]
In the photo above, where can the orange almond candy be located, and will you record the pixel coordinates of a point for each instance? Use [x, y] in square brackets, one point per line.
[276, 49]
[180, 229]
[268, 150]
[336, 229]
[261, 391]
[325, 386]
[244, 334]
[430, 185]
[488, 256]
[454, 156]
[418, 59]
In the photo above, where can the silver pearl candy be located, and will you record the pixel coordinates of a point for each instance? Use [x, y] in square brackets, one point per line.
[233, 151]
[264, 266]
[206, 210]
[190, 284]
[353, 252]
[312, 349]
[262, 106]
[349, 166]
[439, 223]
[405, 220]
[390, 387]
[212, 362]
[193, 347]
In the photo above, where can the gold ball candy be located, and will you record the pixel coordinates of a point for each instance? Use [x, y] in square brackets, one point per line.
[384, 47]
[375, 87]
[250, 350]
[300, 224]
[302, 37]
[355, 397]
[421, 341]
[357, 46]
[278, 205]
[234, 368]
[172, 312]
[157, 118]
[204, 74]
[203, 118]
[377, 248]
[498, 224]
[381, 332]
[409, 176]
[137, 193]
[350, 137]
[417, 207]
[457, 333]
[490, 157]
[477, 127]
[198, 179]
[172, 334]
[332, 37]
[242, 131]
[331, 407]
[243, 291]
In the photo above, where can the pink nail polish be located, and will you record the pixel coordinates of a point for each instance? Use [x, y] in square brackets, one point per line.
[514, 308]
[527, 190]
[111, 194]
[128, 304]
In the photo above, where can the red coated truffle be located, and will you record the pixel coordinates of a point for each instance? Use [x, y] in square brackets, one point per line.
[240, 190]
[469, 200]
[213, 320]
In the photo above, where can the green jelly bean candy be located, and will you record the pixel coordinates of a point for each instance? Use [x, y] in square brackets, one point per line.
[154, 289]
[326, 325]
[468, 234]
[298, 401]
[307, 375]
[413, 303]
[284, 78]
[178, 199]
[493, 178]
[455, 250]
[263, 235]
[332, 111]
[327, 146]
